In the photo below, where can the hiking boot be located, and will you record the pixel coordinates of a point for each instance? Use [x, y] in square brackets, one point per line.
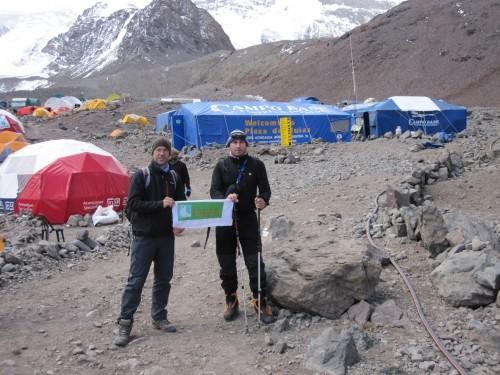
[164, 325]
[266, 313]
[232, 307]
[123, 337]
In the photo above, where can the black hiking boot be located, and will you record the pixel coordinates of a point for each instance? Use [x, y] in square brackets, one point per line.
[123, 337]
[164, 325]
[266, 313]
[232, 307]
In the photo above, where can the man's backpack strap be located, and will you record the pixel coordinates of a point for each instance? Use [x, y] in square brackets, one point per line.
[147, 176]
[174, 178]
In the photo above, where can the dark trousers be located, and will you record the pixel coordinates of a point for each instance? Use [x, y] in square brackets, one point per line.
[225, 239]
[146, 250]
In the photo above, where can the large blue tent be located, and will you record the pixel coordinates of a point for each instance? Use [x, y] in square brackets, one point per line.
[207, 123]
[410, 113]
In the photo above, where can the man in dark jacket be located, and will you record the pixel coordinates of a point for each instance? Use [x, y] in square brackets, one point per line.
[181, 169]
[152, 194]
[237, 177]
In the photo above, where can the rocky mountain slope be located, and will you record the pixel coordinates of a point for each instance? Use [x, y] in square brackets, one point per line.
[441, 49]
[163, 33]
[48, 46]
[421, 47]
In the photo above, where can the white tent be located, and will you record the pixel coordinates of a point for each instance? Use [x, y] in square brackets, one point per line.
[72, 100]
[58, 103]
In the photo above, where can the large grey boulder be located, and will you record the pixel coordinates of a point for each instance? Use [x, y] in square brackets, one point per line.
[325, 281]
[468, 227]
[467, 278]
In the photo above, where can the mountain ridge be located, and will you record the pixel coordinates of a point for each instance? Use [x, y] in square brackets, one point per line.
[93, 42]
[444, 50]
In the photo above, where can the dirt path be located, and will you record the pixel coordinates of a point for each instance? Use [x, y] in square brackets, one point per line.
[49, 325]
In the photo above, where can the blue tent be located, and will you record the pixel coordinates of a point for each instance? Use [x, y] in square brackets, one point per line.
[410, 113]
[205, 123]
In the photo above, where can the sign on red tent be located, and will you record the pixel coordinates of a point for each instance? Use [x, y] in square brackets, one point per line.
[74, 184]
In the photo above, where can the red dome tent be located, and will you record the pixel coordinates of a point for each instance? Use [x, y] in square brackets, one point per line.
[74, 184]
[10, 122]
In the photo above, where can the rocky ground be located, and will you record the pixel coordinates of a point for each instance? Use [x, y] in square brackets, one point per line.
[57, 310]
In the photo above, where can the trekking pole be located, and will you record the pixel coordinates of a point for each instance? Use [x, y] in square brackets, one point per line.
[259, 255]
[240, 270]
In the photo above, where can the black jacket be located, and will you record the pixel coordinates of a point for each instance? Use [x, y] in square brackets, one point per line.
[181, 169]
[254, 177]
[149, 217]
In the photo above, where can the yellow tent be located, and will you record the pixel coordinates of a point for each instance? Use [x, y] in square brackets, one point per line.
[42, 112]
[8, 136]
[134, 119]
[16, 145]
[95, 104]
[113, 96]
[10, 142]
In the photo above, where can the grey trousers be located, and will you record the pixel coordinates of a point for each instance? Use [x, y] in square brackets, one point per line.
[146, 250]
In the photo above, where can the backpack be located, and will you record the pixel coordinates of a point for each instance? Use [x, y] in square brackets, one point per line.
[146, 174]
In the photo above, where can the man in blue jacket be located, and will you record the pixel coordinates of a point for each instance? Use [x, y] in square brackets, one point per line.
[152, 194]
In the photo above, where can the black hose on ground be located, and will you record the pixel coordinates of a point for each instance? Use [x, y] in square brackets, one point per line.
[453, 362]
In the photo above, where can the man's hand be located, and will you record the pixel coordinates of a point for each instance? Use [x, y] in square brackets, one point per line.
[178, 231]
[188, 192]
[168, 202]
[260, 203]
[233, 197]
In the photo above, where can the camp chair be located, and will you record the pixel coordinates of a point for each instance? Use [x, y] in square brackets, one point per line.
[49, 228]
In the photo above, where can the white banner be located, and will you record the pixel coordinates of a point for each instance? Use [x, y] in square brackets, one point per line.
[202, 213]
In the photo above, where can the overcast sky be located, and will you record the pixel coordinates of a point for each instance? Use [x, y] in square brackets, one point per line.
[34, 6]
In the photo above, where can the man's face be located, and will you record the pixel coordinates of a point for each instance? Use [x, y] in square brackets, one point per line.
[161, 155]
[238, 147]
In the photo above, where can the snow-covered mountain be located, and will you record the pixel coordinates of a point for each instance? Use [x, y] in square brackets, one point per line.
[63, 43]
[251, 22]
[163, 33]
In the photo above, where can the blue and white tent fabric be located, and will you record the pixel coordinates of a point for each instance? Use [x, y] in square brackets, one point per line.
[207, 123]
[163, 120]
[409, 113]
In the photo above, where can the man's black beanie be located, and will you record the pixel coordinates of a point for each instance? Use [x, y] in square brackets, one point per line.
[161, 142]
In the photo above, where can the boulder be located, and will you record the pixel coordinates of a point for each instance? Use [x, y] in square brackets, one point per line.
[460, 279]
[325, 281]
[468, 227]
